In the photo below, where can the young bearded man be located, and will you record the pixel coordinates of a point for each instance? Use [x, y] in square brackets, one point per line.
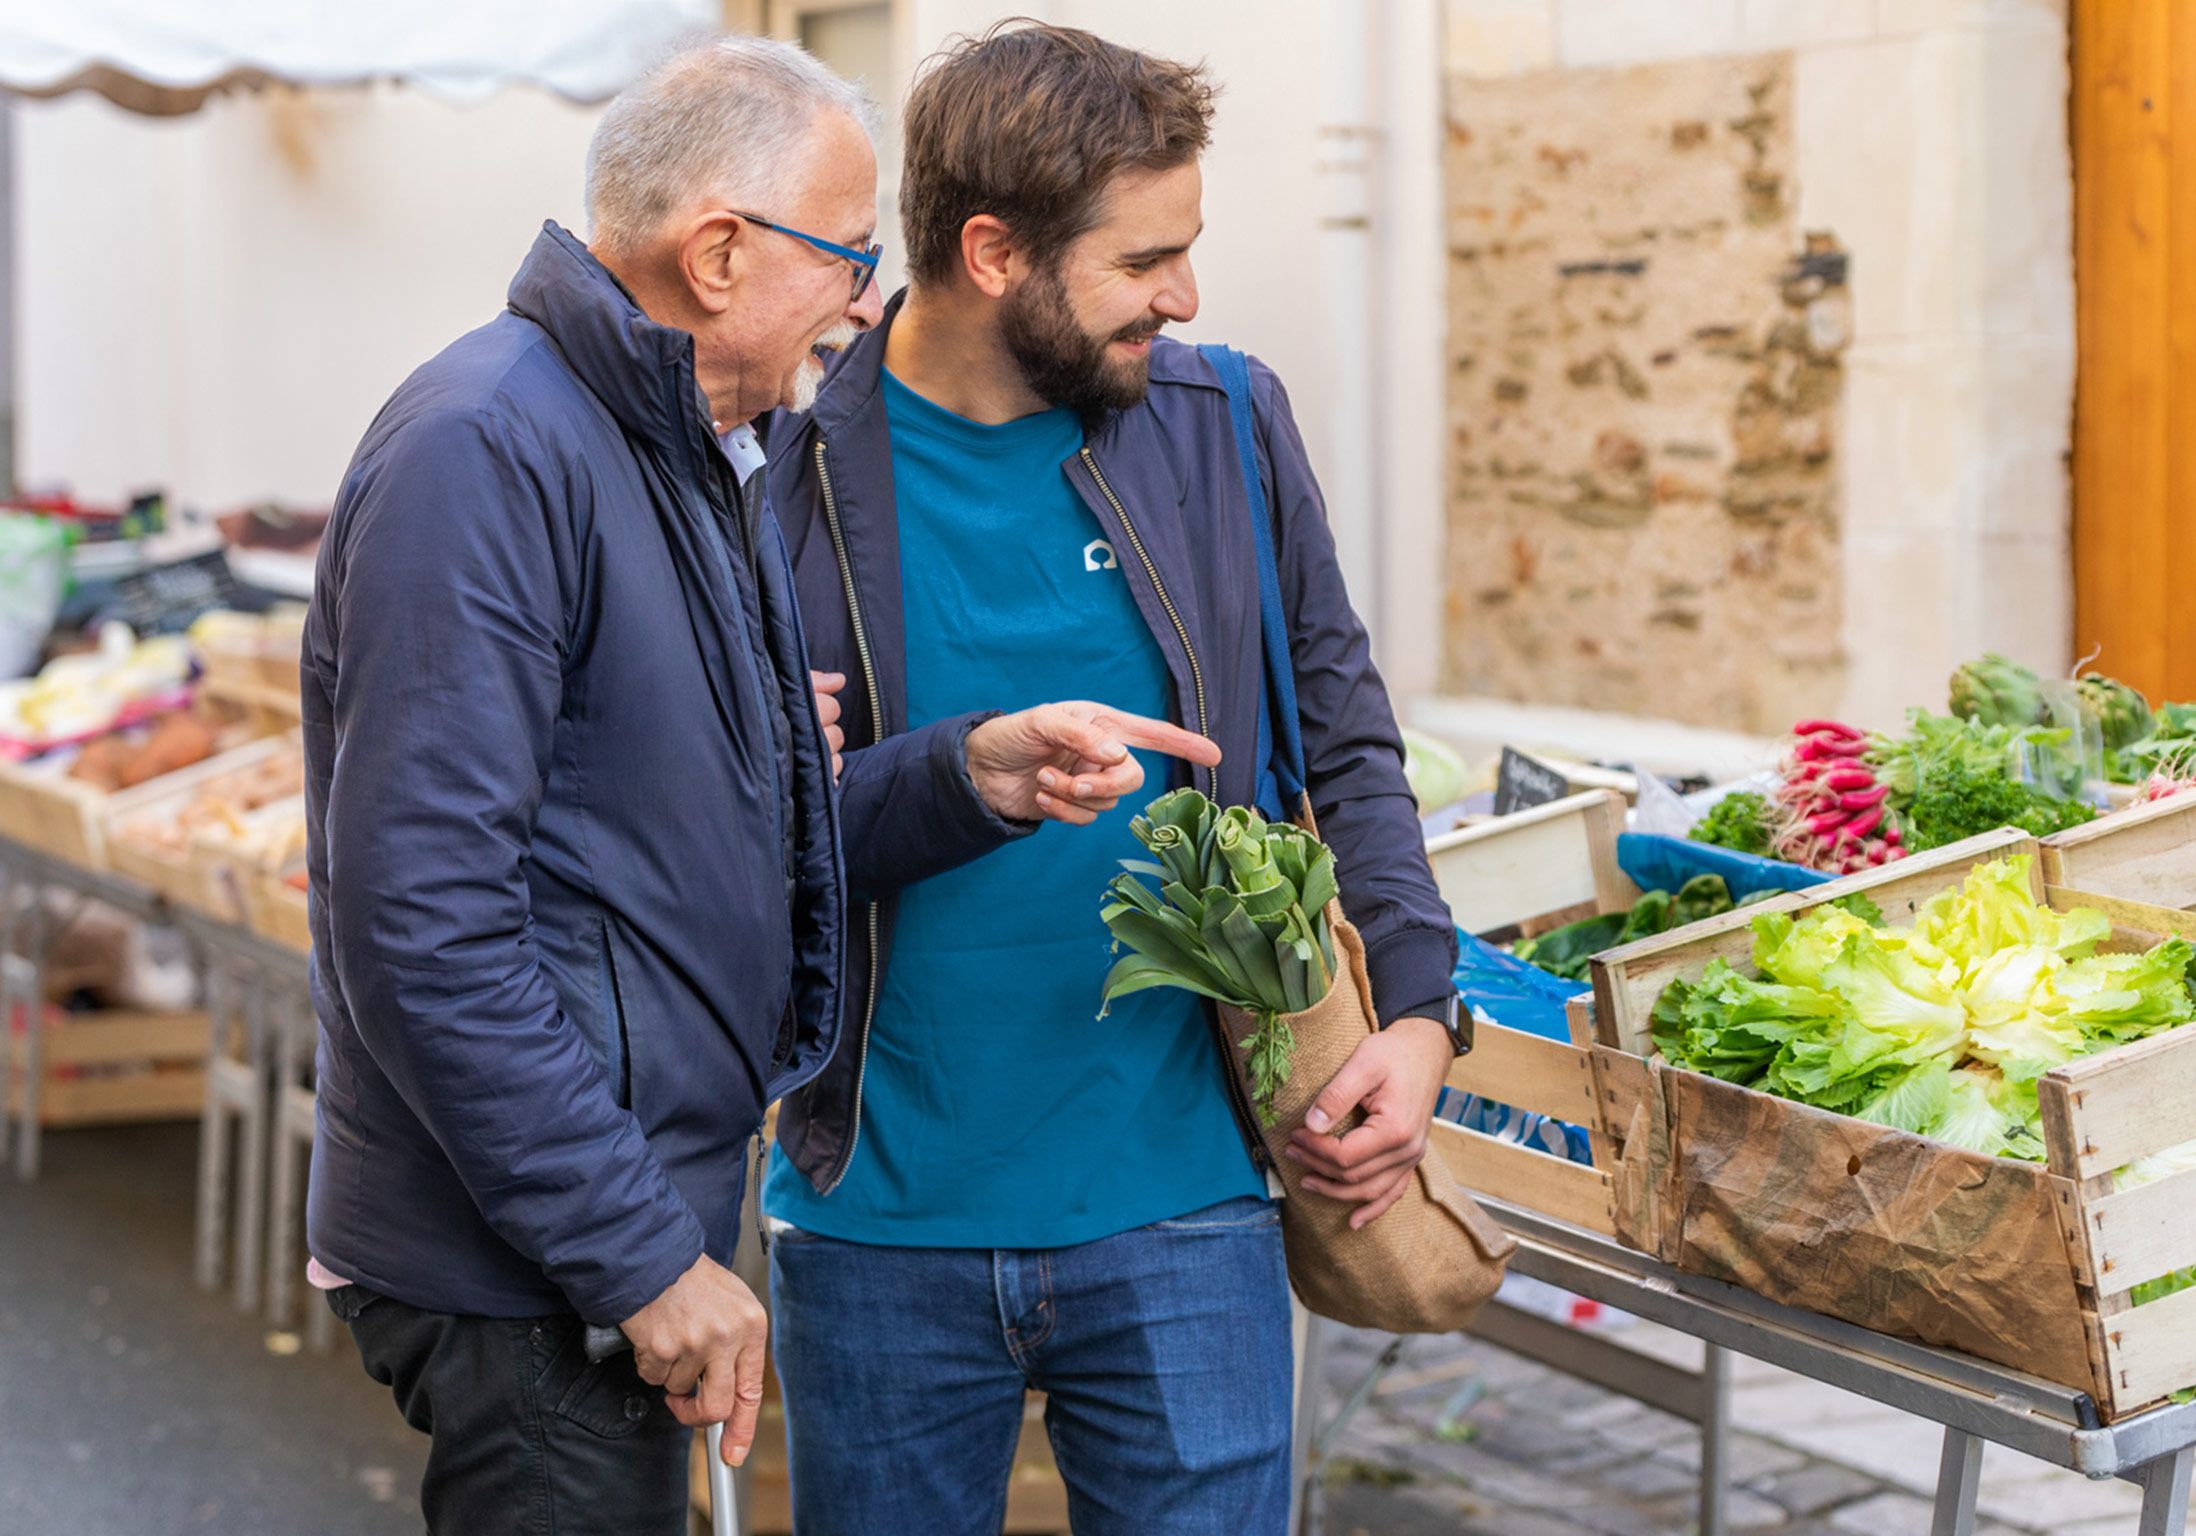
[1015, 490]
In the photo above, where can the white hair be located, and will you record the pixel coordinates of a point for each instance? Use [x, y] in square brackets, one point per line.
[729, 119]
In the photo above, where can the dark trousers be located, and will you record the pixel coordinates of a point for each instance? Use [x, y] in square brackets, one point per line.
[529, 1438]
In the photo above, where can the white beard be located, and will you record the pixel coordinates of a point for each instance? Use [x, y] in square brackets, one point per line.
[810, 376]
[807, 379]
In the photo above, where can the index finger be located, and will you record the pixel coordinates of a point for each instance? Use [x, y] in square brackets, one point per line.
[1163, 736]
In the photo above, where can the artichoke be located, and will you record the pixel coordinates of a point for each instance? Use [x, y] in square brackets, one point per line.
[2122, 715]
[1997, 690]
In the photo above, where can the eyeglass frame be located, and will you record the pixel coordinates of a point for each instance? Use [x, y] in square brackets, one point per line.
[864, 261]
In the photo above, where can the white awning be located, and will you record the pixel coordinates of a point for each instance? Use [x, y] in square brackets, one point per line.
[166, 56]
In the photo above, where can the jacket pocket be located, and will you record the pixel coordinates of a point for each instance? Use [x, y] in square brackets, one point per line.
[617, 1054]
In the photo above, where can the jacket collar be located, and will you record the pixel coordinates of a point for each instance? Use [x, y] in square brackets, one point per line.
[642, 372]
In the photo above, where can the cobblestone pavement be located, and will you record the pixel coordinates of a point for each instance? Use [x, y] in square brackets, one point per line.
[1536, 1453]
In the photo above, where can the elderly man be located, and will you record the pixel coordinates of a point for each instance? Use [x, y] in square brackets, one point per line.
[574, 851]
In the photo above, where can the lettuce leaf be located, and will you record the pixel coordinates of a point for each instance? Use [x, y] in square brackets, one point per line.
[1941, 1029]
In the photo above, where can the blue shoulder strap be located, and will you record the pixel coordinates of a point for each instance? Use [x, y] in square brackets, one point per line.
[1281, 763]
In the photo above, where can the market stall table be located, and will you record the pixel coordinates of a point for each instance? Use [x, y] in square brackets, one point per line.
[1973, 1400]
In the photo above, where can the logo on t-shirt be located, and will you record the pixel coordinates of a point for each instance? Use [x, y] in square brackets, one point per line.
[1098, 555]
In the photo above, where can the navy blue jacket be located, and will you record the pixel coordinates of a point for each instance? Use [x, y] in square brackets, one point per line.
[570, 935]
[1164, 482]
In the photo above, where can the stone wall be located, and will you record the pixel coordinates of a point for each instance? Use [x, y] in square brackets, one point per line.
[1760, 320]
[1644, 398]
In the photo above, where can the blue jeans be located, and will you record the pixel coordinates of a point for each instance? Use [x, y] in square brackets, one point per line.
[1164, 1353]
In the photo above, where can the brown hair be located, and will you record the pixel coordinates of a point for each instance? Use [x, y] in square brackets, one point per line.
[1030, 123]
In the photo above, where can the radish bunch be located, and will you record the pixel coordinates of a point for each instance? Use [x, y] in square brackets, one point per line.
[1833, 811]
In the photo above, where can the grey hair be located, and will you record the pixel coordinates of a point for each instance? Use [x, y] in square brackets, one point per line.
[727, 118]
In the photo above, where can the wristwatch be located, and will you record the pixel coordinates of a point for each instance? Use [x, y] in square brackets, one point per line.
[1457, 1020]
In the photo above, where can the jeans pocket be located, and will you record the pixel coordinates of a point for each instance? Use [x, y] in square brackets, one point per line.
[1244, 1213]
[604, 1397]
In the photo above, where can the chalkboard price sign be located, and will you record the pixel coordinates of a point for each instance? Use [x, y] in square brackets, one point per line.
[1522, 782]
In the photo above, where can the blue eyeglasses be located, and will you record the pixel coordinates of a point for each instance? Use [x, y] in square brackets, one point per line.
[864, 261]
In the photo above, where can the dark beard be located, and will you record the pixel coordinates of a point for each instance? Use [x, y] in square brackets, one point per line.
[1061, 362]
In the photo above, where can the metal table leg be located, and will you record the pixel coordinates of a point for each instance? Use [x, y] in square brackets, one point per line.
[1959, 1476]
[251, 1151]
[11, 983]
[2165, 1494]
[1305, 1514]
[289, 1148]
[38, 934]
[1715, 1440]
[213, 1125]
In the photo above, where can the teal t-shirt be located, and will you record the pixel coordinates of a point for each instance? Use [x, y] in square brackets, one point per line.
[998, 1109]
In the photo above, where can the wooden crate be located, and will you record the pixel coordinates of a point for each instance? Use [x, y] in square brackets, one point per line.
[2029, 1265]
[182, 876]
[1537, 869]
[1530, 872]
[41, 807]
[2145, 854]
[274, 909]
[115, 1066]
[232, 871]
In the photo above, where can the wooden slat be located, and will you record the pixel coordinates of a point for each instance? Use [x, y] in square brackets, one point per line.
[2142, 1233]
[2145, 853]
[1539, 1181]
[2137, 922]
[2150, 1351]
[1549, 858]
[1509, 1066]
[105, 1038]
[2102, 1112]
[43, 808]
[116, 1099]
[1625, 1083]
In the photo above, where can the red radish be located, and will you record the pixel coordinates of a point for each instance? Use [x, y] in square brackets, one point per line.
[1865, 799]
[1848, 778]
[1866, 822]
[1824, 728]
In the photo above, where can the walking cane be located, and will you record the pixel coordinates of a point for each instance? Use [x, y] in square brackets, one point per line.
[724, 1509]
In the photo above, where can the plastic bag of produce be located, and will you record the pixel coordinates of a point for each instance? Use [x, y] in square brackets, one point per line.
[33, 568]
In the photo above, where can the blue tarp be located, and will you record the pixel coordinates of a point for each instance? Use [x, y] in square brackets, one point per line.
[1502, 989]
[1499, 987]
[1658, 863]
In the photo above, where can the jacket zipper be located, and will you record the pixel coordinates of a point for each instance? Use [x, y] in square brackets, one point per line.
[876, 734]
[1246, 1121]
[1136, 542]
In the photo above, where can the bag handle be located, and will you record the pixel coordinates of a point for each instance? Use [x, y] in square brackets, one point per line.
[1283, 760]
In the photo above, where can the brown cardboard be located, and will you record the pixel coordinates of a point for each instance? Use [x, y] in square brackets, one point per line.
[1890, 1231]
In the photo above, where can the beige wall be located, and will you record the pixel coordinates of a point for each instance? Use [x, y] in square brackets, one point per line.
[1928, 141]
[219, 303]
